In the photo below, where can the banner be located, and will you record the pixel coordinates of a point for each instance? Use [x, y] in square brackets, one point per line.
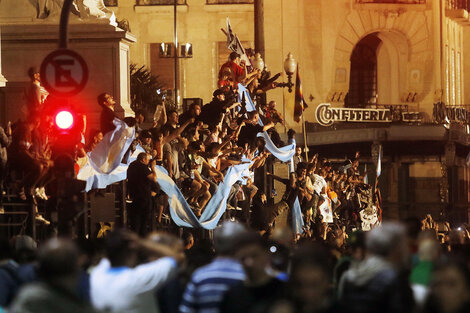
[234, 44]
[285, 153]
[181, 212]
[103, 166]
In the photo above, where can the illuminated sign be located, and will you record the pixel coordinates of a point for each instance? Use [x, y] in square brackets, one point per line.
[327, 115]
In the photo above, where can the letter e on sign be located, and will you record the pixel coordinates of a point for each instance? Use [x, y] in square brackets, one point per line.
[64, 73]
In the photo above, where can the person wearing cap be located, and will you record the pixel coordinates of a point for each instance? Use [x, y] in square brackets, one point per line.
[213, 112]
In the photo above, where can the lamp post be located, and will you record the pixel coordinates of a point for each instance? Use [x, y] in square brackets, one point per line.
[258, 62]
[289, 67]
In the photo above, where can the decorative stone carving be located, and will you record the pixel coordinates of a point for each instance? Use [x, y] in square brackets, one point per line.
[84, 9]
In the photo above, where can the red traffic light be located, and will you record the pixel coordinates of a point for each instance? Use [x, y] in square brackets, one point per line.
[64, 120]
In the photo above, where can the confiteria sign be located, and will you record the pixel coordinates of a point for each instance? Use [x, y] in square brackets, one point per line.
[326, 115]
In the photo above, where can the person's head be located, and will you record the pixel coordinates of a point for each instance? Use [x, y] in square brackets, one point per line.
[172, 117]
[253, 117]
[311, 274]
[146, 137]
[310, 168]
[291, 133]
[188, 240]
[33, 74]
[121, 248]
[271, 104]
[58, 261]
[139, 117]
[219, 95]
[212, 148]
[298, 151]
[195, 109]
[144, 158]
[234, 57]
[24, 249]
[105, 99]
[356, 245]
[158, 136]
[388, 241]
[450, 286]
[301, 170]
[226, 238]
[96, 136]
[253, 254]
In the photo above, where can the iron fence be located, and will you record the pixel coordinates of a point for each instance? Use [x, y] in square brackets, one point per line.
[160, 2]
[230, 1]
[393, 1]
[458, 4]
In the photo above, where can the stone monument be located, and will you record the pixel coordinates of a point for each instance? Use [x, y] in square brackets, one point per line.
[30, 30]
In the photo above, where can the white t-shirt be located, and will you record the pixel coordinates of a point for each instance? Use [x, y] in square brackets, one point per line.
[129, 290]
[318, 184]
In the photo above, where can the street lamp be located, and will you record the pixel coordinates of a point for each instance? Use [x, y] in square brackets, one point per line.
[258, 62]
[289, 68]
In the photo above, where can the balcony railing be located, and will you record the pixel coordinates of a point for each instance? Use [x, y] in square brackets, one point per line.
[230, 1]
[458, 4]
[111, 3]
[159, 2]
[393, 1]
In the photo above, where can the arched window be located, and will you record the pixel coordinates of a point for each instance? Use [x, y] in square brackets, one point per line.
[363, 77]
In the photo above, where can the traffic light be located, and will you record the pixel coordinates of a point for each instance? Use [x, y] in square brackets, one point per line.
[64, 120]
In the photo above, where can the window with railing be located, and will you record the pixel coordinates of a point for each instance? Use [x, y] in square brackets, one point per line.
[230, 1]
[159, 2]
[111, 3]
[393, 1]
[458, 4]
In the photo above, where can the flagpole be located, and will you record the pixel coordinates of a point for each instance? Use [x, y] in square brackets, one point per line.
[305, 138]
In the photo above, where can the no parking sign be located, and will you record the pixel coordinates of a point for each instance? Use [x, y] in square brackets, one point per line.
[64, 73]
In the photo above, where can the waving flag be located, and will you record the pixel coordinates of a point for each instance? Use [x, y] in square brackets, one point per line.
[297, 219]
[366, 179]
[283, 153]
[103, 166]
[234, 44]
[300, 104]
[379, 162]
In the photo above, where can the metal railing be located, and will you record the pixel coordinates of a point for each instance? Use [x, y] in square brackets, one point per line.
[393, 1]
[230, 1]
[159, 2]
[458, 4]
[111, 3]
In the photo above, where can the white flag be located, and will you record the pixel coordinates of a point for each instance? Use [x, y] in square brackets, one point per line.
[366, 179]
[234, 44]
[379, 162]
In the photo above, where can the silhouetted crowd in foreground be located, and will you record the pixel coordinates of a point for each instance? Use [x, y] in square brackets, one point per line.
[392, 268]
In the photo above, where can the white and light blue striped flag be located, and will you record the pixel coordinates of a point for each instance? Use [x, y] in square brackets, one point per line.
[103, 166]
[297, 219]
[283, 153]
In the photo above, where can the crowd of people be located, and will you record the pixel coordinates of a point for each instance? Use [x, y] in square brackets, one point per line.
[343, 259]
[392, 268]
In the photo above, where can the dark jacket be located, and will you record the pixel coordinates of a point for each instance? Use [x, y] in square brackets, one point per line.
[374, 286]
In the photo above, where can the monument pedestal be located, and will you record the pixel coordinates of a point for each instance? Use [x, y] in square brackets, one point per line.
[104, 47]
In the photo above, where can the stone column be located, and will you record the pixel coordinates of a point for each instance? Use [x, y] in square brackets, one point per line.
[3, 80]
